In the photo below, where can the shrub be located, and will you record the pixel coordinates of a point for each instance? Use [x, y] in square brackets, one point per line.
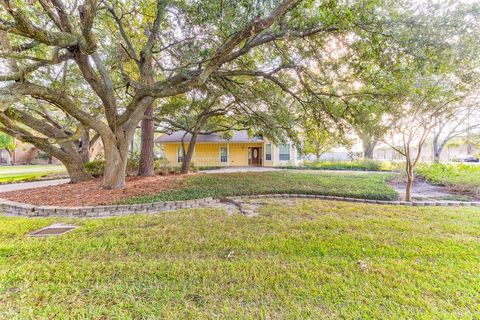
[161, 166]
[360, 165]
[95, 167]
[371, 165]
[461, 177]
[133, 164]
[204, 168]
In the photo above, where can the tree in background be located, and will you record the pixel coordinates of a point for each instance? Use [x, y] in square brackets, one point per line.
[320, 138]
[368, 122]
[448, 126]
[44, 131]
[427, 99]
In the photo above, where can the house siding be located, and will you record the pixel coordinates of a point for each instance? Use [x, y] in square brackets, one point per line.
[208, 154]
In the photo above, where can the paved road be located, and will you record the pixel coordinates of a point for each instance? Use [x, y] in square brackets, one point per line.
[31, 185]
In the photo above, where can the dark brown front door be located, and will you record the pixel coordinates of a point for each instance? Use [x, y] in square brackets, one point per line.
[255, 156]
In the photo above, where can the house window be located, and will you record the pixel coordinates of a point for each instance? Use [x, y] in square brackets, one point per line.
[284, 152]
[299, 154]
[180, 154]
[223, 154]
[268, 152]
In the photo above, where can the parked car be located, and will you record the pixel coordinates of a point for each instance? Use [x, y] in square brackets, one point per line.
[467, 159]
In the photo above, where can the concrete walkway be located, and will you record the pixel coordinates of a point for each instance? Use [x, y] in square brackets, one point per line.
[424, 191]
[241, 169]
[31, 185]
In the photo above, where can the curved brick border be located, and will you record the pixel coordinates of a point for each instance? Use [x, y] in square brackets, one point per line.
[27, 210]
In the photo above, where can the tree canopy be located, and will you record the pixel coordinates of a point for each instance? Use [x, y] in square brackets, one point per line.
[99, 65]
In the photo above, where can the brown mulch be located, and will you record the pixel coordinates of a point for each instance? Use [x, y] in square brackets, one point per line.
[89, 193]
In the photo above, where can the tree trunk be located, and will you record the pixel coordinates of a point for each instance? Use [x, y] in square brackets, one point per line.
[71, 159]
[437, 151]
[368, 148]
[318, 153]
[11, 155]
[76, 171]
[85, 148]
[187, 158]
[410, 179]
[116, 155]
[436, 156]
[147, 143]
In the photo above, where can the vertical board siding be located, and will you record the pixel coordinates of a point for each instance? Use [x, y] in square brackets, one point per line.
[208, 154]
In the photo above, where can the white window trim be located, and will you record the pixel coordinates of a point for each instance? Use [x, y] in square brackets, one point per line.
[289, 152]
[271, 151]
[220, 155]
[178, 153]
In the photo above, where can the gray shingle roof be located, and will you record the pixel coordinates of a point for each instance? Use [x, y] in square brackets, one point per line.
[238, 136]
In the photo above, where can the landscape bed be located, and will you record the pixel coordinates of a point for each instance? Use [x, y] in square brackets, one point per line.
[197, 186]
[461, 177]
[357, 165]
[309, 259]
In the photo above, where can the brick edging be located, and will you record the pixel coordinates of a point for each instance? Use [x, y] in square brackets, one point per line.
[8, 207]
[357, 200]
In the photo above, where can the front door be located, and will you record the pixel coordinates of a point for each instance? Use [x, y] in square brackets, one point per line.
[254, 156]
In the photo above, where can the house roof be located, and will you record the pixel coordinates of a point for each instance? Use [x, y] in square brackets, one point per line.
[238, 136]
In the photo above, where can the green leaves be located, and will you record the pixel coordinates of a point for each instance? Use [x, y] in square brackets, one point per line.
[7, 142]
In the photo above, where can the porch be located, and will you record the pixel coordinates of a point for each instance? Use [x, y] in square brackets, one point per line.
[218, 154]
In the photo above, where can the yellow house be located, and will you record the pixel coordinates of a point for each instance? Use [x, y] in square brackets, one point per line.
[239, 151]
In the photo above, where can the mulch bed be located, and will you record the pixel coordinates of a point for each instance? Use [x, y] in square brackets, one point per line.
[90, 193]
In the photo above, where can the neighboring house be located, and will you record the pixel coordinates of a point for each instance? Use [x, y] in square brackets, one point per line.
[450, 152]
[25, 153]
[239, 151]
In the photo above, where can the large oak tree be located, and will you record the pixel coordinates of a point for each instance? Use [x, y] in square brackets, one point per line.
[131, 54]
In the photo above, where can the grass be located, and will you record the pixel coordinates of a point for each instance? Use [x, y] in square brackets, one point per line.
[461, 177]
[10, 174]
[358, 185]
[300, 262]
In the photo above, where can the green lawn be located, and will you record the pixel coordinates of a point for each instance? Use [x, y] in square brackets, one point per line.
[9, 174]
[356, 185]
[315, 260]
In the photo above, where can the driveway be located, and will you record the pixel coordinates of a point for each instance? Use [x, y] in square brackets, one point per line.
[30, 185]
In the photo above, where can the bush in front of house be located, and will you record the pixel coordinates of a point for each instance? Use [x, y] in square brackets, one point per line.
[161, 166]
[461, 177]
[95, 167]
